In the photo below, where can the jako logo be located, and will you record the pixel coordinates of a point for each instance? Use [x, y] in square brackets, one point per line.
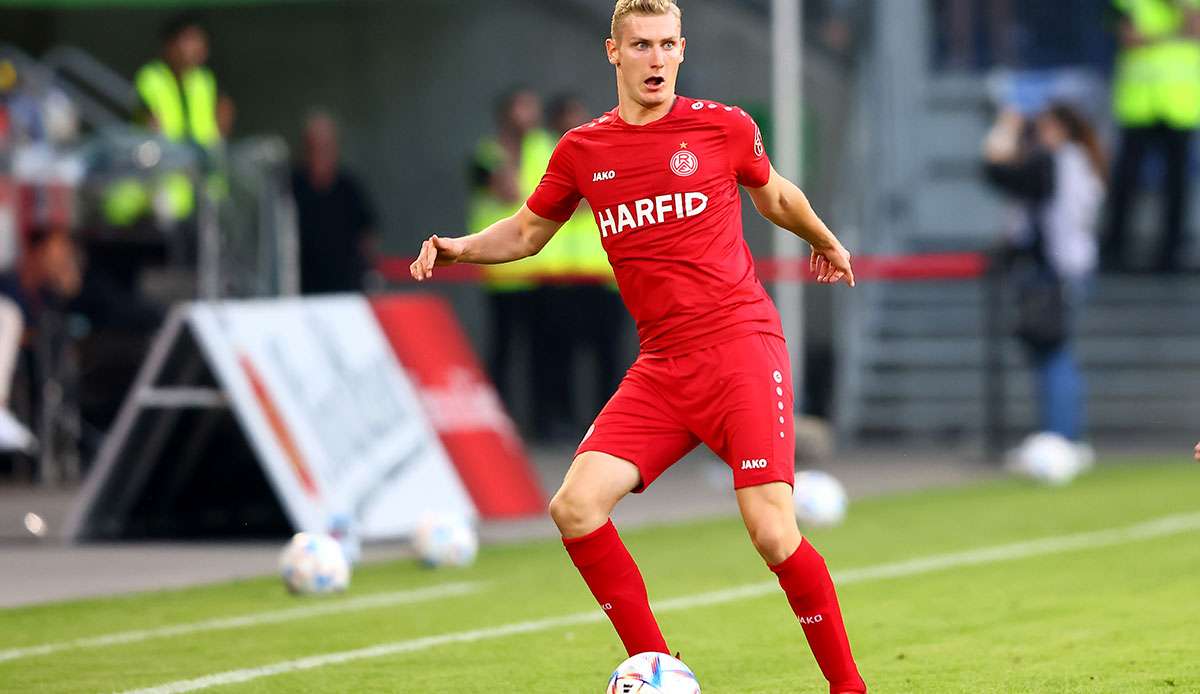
[755, 464]
[606, 606]
[604, 175]
[815, 619]
[647, 211]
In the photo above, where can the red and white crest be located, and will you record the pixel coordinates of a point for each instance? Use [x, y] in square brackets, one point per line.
[684, 163]
[758, 142]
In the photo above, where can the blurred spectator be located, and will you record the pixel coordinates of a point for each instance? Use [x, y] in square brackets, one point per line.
[180, 101]
[336, 219]
[580, 316]
[976, 32]
[179, 93]
[1058, 182]
[838, 25]
[505, 169]
[1156, 101]
[46, 278]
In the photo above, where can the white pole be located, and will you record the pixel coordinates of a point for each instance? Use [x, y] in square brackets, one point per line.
[787, 40]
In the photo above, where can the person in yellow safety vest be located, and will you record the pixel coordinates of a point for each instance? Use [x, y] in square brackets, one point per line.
[579, 315]
[505, 169]
[1156, 103]
[179, 100]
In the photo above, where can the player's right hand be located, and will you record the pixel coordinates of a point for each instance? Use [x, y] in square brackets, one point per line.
[435, 252]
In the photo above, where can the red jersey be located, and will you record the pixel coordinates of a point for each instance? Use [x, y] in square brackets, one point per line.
[667, 207]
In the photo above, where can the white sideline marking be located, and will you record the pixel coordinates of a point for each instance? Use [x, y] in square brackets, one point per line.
[1167, 525]
[249, 620]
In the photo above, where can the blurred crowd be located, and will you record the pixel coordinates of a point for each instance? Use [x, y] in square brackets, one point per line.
[557, 315]
[99, 234]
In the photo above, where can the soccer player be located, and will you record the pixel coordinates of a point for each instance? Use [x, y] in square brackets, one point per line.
[661, 173]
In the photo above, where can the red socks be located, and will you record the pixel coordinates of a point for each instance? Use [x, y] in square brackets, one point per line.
[617, 584]
[805, 579]
[614, 579]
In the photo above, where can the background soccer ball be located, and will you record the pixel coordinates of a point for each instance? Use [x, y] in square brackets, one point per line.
[313, 563]
[652, 673]
[445, 540]
[1048, 458]
[820, 499]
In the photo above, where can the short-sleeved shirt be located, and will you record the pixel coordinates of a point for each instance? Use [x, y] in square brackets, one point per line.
[667, 207]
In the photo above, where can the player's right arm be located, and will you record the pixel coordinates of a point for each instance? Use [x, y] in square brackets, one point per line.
[512, 238]
[519, 236]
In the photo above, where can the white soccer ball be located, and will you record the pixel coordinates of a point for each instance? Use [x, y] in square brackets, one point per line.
[1047, 458]
[652, 673]
[313, 563]
[446, 540]
[820, 499]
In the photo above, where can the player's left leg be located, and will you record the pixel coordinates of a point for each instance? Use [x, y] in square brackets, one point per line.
[771, 521]
[747, 420]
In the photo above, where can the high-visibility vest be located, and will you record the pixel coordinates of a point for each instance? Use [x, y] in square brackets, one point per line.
[577, 250]
[536, 148]
[165, 97]
[1158, 81]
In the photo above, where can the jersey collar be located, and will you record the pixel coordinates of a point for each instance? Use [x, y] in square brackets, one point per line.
[680, 104]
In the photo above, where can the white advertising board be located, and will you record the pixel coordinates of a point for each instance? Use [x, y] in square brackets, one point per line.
[330, 413]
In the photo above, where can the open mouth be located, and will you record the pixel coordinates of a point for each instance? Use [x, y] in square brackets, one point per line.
[655, 81]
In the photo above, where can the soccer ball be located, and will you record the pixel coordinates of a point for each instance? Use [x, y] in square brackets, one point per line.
[652, 673]
[1047, 458]
[819, 498]
[445, 540]
[313, 563]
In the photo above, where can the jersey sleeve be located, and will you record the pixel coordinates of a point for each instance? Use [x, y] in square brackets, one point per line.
[747, 153]
[557, 195]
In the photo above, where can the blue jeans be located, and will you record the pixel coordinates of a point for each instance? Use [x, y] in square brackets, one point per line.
[1061, 390]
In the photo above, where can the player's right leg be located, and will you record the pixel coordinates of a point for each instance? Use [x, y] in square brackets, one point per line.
[632, 441]
[590, 492]
[580, 509]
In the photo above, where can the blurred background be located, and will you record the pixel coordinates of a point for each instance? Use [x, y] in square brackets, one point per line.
[1014, 178]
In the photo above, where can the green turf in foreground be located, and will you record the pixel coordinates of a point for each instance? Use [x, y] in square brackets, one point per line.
[1121, 619]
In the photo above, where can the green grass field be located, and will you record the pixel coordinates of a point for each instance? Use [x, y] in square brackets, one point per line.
[1116, 612]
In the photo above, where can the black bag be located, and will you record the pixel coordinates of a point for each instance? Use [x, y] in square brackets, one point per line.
[1041, 321]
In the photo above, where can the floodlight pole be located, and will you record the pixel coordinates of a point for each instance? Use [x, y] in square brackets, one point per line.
[787, 88]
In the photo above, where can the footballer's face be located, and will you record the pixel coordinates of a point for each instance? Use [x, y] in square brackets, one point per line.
[647, 51]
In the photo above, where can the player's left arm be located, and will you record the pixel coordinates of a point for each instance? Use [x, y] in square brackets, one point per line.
[786, 206]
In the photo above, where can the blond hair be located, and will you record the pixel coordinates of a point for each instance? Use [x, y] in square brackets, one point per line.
[649, 8]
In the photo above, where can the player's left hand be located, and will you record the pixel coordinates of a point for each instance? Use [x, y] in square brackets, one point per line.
[831, 265]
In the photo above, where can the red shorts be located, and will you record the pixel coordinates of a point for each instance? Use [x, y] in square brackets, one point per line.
[735, 397]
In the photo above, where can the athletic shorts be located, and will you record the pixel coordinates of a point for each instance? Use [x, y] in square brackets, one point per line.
[735, 397]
